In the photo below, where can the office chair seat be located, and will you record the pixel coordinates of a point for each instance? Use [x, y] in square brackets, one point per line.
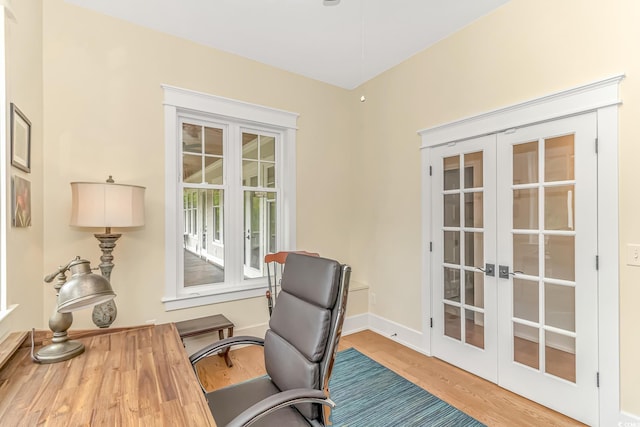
[227, 404]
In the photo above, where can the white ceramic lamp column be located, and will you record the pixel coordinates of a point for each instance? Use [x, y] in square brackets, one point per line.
[106, 204]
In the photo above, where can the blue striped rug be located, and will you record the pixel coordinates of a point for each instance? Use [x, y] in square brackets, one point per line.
[367, 395]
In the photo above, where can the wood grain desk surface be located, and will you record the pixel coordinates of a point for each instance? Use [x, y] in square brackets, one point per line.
[135, 377]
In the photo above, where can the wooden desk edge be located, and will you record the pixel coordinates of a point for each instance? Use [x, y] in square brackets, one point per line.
[20, 340]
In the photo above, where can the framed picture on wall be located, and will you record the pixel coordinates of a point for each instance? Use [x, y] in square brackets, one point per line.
[20, 139]
[21, 202]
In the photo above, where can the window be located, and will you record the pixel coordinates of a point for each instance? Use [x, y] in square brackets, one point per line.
[230, 180]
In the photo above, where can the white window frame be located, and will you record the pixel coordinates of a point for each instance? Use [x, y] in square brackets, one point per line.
[235, 116]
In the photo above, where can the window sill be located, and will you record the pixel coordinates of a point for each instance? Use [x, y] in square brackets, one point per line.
[213, 296]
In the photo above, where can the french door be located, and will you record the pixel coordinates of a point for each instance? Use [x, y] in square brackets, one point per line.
[514, 266]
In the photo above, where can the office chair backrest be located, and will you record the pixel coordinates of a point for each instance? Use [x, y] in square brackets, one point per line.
[306, 325]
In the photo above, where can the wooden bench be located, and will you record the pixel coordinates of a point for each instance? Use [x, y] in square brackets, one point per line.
[204, 325]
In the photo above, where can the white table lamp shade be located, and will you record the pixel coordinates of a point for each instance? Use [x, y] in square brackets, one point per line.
[100, 204]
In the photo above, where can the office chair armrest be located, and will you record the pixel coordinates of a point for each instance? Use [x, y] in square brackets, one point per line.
[279, 401]
[223, 344]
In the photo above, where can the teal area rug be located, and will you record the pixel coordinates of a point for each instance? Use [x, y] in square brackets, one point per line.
[368, 395]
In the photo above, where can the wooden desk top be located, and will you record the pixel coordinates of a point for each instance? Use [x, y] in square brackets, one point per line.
[135, 377]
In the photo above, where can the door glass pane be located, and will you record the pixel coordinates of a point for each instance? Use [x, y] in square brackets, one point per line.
[473, 214]
[203, 245]
[451, 168]
[560, 306]
[560, 257]
[525, 253]
[558, 159]
[474, 288]
[526, 345]
[452, 322]
[559, 208]
[525, 163]
[452, 247]
[213, 170]
[474, 328]
[560, 356]
[525, 209]
[473, 174]
[452, 284]
[474, 249]
[452, 210]
[525, 300]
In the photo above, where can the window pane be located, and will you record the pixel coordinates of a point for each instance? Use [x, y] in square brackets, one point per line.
[249, 146]
[558, 159]
[267, 148]
[249, 173]
[191, 138]
[203, 248]
[268, 175]
[525, 163]
[213, 170]
[191, 169]
[213, 141]
[260, 208]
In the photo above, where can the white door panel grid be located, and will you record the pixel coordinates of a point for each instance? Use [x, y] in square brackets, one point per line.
[547, 211]
[464, 242]
[513, 263]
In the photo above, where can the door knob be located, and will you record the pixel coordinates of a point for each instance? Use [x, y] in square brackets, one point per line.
[503, 271]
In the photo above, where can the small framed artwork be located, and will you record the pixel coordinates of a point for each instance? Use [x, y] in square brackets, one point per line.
[20, 139]
[21, 202]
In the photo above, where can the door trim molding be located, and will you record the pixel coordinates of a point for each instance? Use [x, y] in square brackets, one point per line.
[603, 98]
[581, 99]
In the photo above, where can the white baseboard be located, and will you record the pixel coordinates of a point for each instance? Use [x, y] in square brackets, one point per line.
[628, 420]
[401, 334]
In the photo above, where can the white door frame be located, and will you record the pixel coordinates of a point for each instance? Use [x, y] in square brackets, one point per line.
[601, 97]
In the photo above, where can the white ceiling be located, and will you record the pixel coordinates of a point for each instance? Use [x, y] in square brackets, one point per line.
[344, 45]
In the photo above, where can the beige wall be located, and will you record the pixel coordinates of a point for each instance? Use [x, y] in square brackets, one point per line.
[104, 115]
[24, 88]
[524, 50]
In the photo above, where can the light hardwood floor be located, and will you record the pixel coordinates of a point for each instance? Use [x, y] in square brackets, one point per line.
[485, 401]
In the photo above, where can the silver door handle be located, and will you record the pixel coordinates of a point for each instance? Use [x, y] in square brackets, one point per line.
[489, 269]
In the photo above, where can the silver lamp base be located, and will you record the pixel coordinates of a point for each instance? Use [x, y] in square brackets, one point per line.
[59, 351]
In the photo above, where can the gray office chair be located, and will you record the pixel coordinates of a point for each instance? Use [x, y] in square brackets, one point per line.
[299, 350]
